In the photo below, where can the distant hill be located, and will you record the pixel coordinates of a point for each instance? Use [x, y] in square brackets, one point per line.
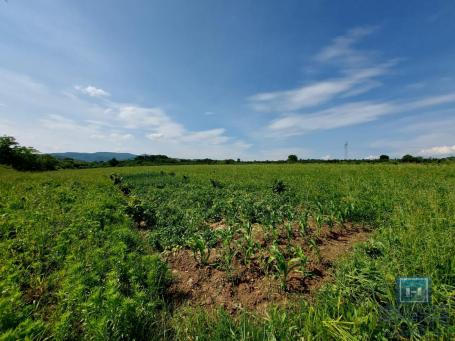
[91, 157]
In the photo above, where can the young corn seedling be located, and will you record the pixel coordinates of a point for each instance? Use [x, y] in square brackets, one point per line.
[247, 244]
[285, 266]
[315, 248]
[247, 248]
[201, 249]
[332, 218]
[319, 220]
[303, 223]
[289, 233]
[227, 236]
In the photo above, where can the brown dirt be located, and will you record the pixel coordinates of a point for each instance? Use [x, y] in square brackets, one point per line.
[250, 287]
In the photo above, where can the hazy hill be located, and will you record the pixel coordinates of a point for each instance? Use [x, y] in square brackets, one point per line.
[98, 156]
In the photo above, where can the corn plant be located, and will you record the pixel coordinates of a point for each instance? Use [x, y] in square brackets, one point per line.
[201, 249]
[289, 233]
[229, 252]
[319, 220]
[303, 223]
[315, 248]
[247, 244]
[285, 266]
[332, 217]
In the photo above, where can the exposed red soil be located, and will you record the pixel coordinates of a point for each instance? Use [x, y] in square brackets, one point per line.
[250, 287]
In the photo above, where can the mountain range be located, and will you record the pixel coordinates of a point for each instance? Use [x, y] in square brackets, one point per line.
[93, 157]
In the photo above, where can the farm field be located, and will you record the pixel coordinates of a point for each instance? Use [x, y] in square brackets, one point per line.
[216, 252]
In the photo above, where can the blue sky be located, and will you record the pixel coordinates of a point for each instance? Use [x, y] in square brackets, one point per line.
[227, 79]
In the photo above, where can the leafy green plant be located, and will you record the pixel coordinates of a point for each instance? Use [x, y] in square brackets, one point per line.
[285, 266]
[116, 178]
[289, 233]
[278, 186]
[303, 223]
[319, 221]
[201, 249]
[312, 243]
[229, 252]
[246, 244]
[216, 183]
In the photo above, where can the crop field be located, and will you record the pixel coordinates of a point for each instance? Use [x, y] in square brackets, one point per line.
[216, 252]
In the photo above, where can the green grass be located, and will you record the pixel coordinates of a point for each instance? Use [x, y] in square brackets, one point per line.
[74, 266]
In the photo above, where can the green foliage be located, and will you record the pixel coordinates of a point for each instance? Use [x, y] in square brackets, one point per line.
[293, 158]
[24, 158]
[201, 249]
[74, 265]
[278, 186]
[284, 265]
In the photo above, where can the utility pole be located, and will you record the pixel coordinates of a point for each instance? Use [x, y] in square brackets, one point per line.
[346, 150]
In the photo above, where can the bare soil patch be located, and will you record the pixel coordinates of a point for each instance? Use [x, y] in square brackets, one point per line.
[254, 286]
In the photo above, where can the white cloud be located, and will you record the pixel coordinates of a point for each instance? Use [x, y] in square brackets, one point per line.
[342, 49]
[438, 150]
[293, 105]
[92, 91]
[53, 120]
[418, 134]
[349, 114]
[335, 117]
[354, 83]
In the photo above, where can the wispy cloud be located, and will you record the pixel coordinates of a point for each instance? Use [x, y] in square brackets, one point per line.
[335, 117]
[342, 47]
[330, 103]
[438, 150]
[425, 134]
[92, 91]
[349, 114]
[354, 83]
[67, 121]
[358, 75]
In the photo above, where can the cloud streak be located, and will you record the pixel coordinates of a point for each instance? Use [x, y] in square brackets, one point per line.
[438, 150]
[355, 83]
[54, 120]
[341, 48]
[349, 114]
[92, 91]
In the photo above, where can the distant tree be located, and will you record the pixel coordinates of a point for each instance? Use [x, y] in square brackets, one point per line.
[113, 162]
[238, 160]
[7, 146]
[293, 158]
[24, 158]
[384, 157]
[408, 158]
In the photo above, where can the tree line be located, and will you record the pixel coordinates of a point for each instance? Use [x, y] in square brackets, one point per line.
[29, 159]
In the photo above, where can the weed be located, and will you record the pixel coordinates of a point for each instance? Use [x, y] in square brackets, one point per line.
[278, 186]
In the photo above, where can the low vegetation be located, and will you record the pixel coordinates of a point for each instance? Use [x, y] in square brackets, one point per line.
[296, 251]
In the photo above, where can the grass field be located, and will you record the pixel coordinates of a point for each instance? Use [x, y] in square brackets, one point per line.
[247, 252]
